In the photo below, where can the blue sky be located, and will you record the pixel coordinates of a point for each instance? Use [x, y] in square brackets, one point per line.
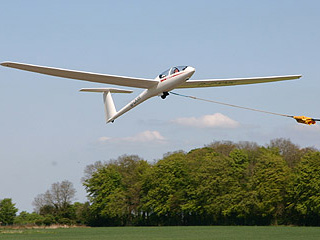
[50, 131]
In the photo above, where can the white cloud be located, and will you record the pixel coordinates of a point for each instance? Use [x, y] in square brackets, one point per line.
[104, 139]
[216, 120]
[142, 137]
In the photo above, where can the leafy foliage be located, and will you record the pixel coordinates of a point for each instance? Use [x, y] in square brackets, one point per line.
[7, 211]
[305, 191]
[114, 191]
[25, 218]
[223, 183]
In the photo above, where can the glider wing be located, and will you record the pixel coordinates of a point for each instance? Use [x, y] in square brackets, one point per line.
[86, 76]
[234, 81]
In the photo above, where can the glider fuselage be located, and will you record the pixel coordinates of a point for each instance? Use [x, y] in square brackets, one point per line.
[165, 84]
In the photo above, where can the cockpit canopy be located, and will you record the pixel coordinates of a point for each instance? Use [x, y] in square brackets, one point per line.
[172, 71]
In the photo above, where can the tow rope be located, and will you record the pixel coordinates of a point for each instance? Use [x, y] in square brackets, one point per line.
[299, 119]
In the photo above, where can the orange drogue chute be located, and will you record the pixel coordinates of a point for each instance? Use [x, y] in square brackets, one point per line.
[305, 120]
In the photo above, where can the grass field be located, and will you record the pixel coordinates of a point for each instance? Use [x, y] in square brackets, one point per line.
[164, 233]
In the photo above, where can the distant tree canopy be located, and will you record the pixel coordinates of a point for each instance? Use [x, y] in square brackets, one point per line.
[222, 183]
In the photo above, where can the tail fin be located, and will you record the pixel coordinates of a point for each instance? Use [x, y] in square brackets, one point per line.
[110, 109]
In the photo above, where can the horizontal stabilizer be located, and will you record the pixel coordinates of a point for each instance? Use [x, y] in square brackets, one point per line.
[112, 90]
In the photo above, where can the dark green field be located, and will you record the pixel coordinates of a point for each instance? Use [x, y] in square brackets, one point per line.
[166, 233]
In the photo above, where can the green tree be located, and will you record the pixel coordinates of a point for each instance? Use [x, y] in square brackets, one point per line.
[106, 192]
[198, 164]
[215, 184]
[82, 213]
[305, 191]
[7, 211]
[265, 193]
[25, 218]
[114, 190]
[165, 189]
[133, 171]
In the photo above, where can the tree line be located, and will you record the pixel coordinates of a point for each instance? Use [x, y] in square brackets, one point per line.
[55, 206]
[223, 183]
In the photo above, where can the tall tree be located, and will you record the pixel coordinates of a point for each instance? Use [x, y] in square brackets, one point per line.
[165, 189]
[56, 200]
[7, 211]
[223, 147]
[114, 190]
[266, 189]
[304, 192]
[215, 183]
[289, 151]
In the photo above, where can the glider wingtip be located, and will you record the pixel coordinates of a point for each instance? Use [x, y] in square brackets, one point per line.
[4, 64]
[7, 63]
[298, 76]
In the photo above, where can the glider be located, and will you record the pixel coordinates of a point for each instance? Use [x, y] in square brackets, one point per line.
[175, 77]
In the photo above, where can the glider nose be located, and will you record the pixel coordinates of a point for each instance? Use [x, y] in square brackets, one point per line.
[191, 69]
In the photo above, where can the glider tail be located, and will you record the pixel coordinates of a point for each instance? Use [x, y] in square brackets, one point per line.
[109, 107]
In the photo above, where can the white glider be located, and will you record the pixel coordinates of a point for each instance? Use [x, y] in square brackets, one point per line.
[175, 77]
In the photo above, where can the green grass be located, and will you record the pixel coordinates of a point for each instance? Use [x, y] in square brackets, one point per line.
[164, 233]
